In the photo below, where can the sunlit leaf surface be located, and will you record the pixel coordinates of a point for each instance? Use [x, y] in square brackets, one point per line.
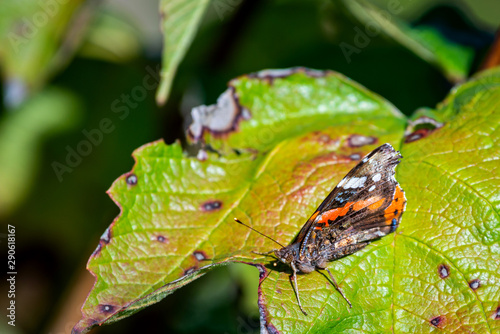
[285, 139]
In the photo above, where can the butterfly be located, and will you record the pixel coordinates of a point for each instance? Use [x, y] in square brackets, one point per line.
[367, 204]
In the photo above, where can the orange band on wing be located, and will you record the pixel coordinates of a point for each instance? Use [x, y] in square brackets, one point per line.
[397, 206]
[377, 204]
[335, 213]
[371, 203]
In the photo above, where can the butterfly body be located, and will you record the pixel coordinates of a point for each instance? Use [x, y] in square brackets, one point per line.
[366, 205]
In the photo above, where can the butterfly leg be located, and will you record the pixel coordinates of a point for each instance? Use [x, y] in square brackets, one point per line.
[338, 288]
[296, 287]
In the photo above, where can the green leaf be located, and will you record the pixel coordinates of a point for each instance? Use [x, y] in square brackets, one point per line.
[439, 270]
[177, 211]
[452, 182]
[309, 102]
[453, 59]
[180, 19]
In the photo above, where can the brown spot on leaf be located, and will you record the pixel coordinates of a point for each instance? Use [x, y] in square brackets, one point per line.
[496, 315]
[105, 308]
[97, 251]
[264, 314]
[131, 179]
[200, 255]
[474, 284]
[437, 321]
[320, 137]
[278, 291]
[189, 271]
[421, 128]
[104, 240]
[360, 140]
[324, 138]
[218, 119]
[106, 236]
[262, 273]
[417, 135]
[314, 73]
[330, 158]
[443, 271]
[212, 205]
[271, 329]
[272, 74]
[161, 239]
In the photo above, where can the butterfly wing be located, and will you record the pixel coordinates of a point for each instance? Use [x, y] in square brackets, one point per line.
[366, 204]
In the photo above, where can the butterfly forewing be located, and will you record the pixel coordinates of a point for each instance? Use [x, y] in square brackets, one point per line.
[366, 204]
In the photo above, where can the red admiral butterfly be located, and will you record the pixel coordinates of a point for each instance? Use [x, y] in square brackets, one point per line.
[367, 204]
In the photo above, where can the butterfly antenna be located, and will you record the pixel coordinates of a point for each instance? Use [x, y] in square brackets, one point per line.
[239, 222]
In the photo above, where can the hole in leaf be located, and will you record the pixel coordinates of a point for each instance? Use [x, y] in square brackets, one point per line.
[161, 239]
[474, 284]
[359, 140]
[417, 135]
[131, 180]
[200, 255]
[211, 205]
[496, 315]
[104, 308]
[443, 271]
[219, 119]
[421, 128]
[189, 271]
[97, 250]
[106, 236]
[437, 321]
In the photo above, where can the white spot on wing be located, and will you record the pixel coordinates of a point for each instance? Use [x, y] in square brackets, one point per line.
[376, 177]
[372, 188]
[355, 182]
[341, 183]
